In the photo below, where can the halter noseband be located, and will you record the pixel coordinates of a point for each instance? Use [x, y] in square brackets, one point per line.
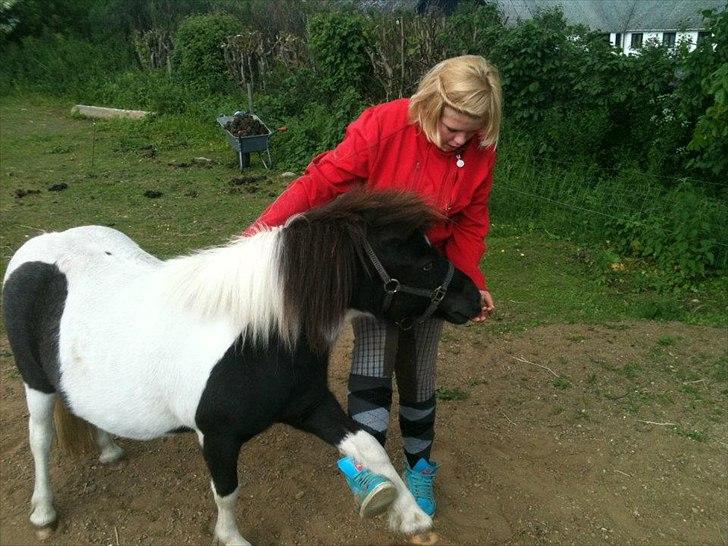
[392, 286]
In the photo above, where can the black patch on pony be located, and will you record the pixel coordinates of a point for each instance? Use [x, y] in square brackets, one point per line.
[250, 388]
[34, 297]
[326, 244]
[180, 430]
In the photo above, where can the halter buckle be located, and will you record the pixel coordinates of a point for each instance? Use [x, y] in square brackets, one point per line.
[391, 286]
[438, 294]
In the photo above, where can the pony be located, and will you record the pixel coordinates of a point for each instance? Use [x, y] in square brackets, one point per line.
[223, 342]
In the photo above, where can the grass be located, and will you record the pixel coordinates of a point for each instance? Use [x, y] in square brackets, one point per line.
[108, 171]
[109, 166]
[451, 394]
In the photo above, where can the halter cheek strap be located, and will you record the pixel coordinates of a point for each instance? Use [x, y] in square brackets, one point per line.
[393, 286]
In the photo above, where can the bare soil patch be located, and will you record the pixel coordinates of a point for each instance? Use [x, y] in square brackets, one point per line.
[566, 434]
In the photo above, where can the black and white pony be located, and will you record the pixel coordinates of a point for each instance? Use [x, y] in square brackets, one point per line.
[224, 342]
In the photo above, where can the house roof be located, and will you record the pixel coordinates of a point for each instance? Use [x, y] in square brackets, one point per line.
[604, 15]
[619, 15]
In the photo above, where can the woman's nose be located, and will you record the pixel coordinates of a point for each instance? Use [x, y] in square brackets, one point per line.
[459, 139]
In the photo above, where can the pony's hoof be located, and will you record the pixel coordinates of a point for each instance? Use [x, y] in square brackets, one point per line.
[43, 517]
[428, 538]
[112, 456]
[45, 532]
[406, 518]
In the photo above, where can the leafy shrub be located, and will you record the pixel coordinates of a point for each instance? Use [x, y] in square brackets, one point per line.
[314, 130]
[703, 99]
[662, 310]
[197, 59]
[532, 59]
[474, 28]
[710, 138]
[61, 64]
[152, 90]
[678, 234]
[337, 43]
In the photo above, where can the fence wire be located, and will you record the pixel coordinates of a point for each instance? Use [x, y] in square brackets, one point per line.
[585, 205]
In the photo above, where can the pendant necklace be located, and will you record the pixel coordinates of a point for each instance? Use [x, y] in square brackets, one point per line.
[460, 163]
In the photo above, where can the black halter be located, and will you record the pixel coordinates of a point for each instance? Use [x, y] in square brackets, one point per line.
[392, 286]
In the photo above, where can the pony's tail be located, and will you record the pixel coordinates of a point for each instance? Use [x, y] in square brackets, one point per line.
[75, 436]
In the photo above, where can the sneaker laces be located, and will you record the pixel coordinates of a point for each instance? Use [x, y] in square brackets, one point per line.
[366, 479]
[419, 484]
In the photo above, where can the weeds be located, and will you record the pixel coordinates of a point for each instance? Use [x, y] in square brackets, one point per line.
[451, 394]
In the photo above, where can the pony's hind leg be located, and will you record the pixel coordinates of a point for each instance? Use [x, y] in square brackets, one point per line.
[40, 425]
[110, 451]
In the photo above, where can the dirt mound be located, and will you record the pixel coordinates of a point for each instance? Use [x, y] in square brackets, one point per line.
[242, 125]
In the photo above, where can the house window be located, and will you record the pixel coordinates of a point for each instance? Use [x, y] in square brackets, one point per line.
[636, 41]
[702, 36]
[618, 40]
[668, 39]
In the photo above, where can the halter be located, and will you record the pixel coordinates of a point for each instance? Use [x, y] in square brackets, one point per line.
[392, 286]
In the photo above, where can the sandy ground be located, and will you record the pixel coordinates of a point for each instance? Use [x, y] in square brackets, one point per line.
[568, 434]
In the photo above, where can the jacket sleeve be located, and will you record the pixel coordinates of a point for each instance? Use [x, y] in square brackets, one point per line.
[466, 245]
[329, 174]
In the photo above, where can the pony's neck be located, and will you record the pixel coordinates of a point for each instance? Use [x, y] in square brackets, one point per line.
[239, 282]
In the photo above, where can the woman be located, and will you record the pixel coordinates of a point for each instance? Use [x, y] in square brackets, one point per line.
[441, 144]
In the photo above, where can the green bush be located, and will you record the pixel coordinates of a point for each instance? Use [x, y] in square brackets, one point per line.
[679, 234]
[337, 44]
[61, 65]
[474, 28]
[532, 59]
[710, 138]
[312, 130]
[703, 99]
[198, 59]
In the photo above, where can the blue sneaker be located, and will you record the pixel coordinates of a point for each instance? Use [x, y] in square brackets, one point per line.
[420, 481]
[374, 492]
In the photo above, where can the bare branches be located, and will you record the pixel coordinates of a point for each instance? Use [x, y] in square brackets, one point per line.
[521, 359]
[153, 48]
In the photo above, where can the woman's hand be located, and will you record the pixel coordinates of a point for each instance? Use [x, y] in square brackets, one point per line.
[486, 306]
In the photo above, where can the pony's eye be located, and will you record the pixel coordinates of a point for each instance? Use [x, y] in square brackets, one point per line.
[428, 266]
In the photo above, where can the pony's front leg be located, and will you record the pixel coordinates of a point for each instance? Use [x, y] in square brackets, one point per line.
[40, 428]
[221, 456]
[329, 422]
[405, 516]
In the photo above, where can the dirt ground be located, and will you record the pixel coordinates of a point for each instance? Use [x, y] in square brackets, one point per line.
[568, 434]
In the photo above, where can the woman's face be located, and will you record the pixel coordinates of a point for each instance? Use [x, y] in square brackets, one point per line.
[456, 128]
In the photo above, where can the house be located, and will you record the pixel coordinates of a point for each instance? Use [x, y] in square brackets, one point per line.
[630, 24]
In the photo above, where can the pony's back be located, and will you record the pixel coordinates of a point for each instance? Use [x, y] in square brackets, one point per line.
[88, 245]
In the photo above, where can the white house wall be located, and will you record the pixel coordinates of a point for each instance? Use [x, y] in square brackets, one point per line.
[690, 37]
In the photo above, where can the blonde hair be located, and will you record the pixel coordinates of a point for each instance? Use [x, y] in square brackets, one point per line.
[470, 85]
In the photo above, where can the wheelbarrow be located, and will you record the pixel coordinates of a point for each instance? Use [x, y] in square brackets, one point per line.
[244, 145]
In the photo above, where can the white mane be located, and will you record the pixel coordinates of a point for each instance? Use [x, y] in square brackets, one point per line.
[239, 282]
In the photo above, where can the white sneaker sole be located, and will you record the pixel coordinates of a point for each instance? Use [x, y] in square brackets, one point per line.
[378, 500]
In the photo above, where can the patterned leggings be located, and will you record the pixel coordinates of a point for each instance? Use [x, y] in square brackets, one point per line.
[381, 349]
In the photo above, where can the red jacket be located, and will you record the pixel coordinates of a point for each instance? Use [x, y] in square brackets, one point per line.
[384, 150]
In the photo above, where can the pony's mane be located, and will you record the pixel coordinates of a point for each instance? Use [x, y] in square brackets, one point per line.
[321, 249]
[238, 282]
[391, 210]
[296, 280]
